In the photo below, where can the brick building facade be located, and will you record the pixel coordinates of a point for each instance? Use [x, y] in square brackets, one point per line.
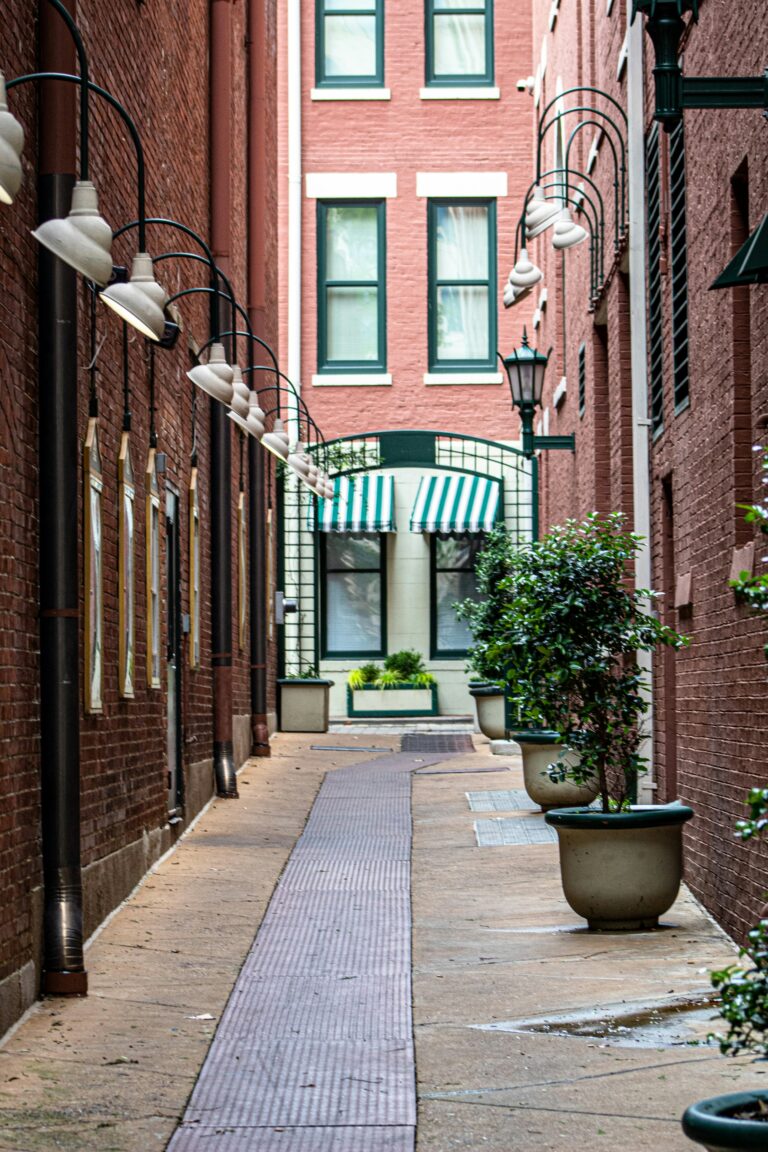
[665, 391]
[159, 62]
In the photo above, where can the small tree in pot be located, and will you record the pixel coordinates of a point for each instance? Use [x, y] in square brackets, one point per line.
[569, 631]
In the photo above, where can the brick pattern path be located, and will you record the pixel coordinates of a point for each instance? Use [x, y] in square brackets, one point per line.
[315, 1049]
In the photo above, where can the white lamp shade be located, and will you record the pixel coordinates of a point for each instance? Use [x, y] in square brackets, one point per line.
[215, 377]
[83, 239]
[567, 233]
[255, 419]
[513, 295]
[140, 302]
[11, 145]
[525, 274]
[276, 441]
[233, 416]
[240, 393]
[540, 214]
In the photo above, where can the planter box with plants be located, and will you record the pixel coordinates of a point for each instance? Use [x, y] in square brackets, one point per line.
[567, 630]
[403, 687]
[304, 702]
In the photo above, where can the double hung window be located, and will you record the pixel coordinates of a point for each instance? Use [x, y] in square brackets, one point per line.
[351, 265]
[453, 579]
[355, 602]
[462, 276]
[350, 43]
[459, 42]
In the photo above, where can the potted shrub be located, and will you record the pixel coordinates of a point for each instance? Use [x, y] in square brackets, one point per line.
[569, 633]
[370, 689]
[739, 1120]
[304, 701]
[547, 785]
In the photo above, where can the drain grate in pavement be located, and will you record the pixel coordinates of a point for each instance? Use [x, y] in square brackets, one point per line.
[516, 800]
[436, 742]
[515, 831]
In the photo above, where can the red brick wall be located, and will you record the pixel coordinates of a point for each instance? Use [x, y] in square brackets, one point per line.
[158, 67]
[710, 699]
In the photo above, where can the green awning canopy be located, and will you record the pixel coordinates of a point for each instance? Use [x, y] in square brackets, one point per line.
[454, 503]
[360, 504]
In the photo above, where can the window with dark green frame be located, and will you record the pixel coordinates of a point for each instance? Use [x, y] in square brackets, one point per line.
[351, 289]
[678, 245]
[655, 315]
[349, 43]
[452, 580]
[459, 41]
[354, 594]
[462, 277]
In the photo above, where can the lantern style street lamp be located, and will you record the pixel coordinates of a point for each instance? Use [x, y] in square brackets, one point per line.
[525, 370]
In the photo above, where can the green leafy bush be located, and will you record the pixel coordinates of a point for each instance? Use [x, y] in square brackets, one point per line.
[563, 634]
[366, 674]
[405, 664]
[405, 667]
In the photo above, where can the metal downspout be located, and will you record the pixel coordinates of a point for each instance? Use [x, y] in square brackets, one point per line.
[638, 340]
[257, 297]
[221, 445]
[63, 963]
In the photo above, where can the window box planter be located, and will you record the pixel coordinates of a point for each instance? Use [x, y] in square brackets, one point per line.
[540, 748]
[712, 1123]
[395, 700]
[489, 702]
[621, 870]
[304, 705]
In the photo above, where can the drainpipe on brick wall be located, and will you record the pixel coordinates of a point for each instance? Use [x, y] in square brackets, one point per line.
[63, 965]
[221, 445]
[638, 329]
[257, 298]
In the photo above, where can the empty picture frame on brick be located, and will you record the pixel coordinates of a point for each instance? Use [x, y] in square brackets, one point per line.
[93, 487]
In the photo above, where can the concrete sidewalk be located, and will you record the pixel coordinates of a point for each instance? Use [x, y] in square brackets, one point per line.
[495, 949]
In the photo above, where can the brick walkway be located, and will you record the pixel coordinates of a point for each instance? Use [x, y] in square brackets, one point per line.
[315, 1049]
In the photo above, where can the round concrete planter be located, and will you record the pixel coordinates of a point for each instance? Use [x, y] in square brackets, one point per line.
[489, 701]
[540, 749]
[621, 870]
[711, 1123]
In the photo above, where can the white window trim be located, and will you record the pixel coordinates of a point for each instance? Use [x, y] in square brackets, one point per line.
[463, 378]
[461, 185]
[352, 379]
[351, 185]
[467, 93]
[623, 57]
[350, 94]
[560, 392]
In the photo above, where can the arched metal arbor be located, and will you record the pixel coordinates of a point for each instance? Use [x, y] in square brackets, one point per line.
[298, 551]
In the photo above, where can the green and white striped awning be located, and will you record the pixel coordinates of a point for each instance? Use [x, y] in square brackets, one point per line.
[360, 504]
[454, 503]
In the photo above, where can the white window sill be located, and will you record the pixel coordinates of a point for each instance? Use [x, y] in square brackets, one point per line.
[344, 380]
[463, 378]
[467, 93]
[350, 94]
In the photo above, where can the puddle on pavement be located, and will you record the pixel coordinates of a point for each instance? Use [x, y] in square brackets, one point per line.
[658, 1024]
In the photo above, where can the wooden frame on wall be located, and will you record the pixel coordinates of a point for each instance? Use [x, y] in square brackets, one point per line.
[93, 487]
[126, 570]
[194, 571]
[152, 487]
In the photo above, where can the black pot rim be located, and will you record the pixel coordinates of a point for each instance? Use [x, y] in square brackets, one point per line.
[485, 689]
[537, 736]
[304, 680]
[643, 816]
[705, 1123]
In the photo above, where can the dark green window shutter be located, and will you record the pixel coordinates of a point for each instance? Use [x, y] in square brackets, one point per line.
[655, 336]
[582, 379]
[679, 253]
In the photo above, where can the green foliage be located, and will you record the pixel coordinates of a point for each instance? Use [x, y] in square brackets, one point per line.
[744, 991]
[482, 614]
[563, 632]
[306, 672]
[367, 674]
[405, 667]
[753, 590]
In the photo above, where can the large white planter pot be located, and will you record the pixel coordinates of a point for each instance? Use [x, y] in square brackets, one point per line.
[621, 870]
[304, 705]
[539, 750]
[489, 702]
